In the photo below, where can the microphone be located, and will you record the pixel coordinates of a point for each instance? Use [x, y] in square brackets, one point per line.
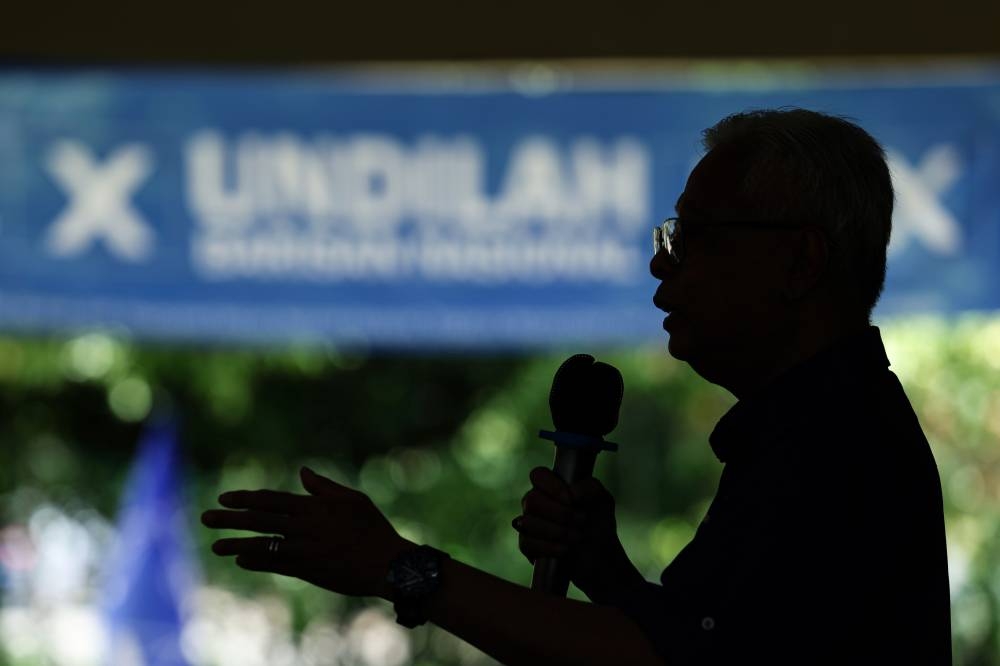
[585, 398]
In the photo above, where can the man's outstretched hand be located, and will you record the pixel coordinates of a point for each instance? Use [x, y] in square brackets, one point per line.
[334, 537]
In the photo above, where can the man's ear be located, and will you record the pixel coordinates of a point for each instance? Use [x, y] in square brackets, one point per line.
[808, 264]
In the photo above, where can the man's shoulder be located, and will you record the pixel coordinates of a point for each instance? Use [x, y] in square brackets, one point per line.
[872, 418]
[861, 447]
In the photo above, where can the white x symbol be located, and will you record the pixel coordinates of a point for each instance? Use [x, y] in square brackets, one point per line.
[99, 204]
[919, 213]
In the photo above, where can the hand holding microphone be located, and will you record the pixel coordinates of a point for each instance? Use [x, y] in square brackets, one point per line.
[576, 525]
[568, 530]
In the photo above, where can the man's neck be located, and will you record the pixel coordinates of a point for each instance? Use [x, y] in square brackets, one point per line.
[803, 345]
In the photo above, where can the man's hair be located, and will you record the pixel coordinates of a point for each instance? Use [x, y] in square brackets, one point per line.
[813, 167]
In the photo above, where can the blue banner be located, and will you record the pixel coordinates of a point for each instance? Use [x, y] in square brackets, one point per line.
[414, 211]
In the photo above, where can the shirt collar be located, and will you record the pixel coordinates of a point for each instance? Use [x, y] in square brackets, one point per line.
[761, 417]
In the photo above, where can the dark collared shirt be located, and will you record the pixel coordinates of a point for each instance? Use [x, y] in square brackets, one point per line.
[825, 542]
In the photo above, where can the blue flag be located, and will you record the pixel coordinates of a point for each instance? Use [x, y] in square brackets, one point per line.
[152, 568]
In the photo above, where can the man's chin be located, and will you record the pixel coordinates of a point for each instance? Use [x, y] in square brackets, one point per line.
[683, 346]
[676, 347]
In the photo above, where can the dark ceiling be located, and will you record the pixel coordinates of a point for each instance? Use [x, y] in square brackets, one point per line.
[294, 32]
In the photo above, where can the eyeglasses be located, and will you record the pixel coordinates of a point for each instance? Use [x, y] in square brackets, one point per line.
[669, 235]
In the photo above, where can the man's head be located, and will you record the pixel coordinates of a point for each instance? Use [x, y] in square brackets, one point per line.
[751, 301]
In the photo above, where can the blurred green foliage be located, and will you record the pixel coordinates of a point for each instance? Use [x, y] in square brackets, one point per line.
[443, 444]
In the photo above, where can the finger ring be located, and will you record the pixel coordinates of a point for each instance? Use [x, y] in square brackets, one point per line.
[272, 545]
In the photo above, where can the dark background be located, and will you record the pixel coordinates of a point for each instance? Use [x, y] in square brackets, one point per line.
[331, 32]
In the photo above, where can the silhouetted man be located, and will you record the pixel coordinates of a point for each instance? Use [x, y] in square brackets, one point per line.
[825, 542]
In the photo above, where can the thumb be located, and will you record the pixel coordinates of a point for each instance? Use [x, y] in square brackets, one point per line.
[320, 485]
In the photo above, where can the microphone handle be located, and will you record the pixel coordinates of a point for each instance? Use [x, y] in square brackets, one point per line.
[571, 464]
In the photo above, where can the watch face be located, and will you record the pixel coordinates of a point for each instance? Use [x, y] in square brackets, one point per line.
[415, 573]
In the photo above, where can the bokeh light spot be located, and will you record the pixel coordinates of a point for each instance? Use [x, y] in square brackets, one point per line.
[131, 399]
[91, 356]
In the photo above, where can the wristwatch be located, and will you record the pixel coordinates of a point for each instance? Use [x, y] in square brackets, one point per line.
[414, 576]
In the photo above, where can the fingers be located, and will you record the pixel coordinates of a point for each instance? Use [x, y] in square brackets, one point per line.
[255, 521]
[254, 554]
[586, 493]
[317, 484]
[591, 494]
[548, 482]
[541, 538]
[242, 546]
[536, 503]
[557, 515]
[544, 530]
[278, 565]
[260, 547]
[274, 501]
[532, 549]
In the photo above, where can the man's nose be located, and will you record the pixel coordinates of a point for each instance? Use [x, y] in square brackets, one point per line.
[661, 265]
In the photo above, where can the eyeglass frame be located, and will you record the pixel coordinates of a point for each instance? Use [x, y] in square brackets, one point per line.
[661, 240]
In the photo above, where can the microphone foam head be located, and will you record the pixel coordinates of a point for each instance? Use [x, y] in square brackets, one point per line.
[586, 396]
